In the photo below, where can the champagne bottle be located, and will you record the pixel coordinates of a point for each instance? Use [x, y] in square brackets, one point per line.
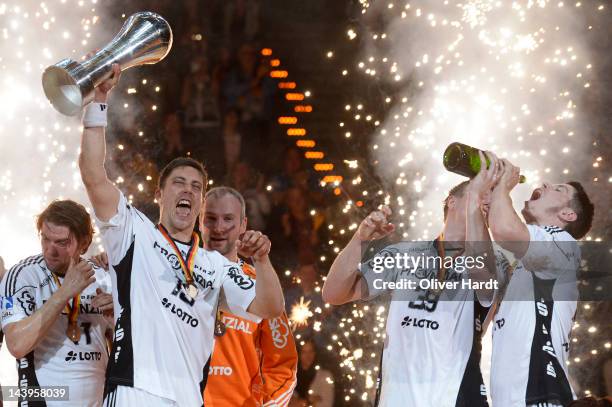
[464, 160]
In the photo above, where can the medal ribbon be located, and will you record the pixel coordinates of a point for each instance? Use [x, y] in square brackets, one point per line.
[72, 311]
[186, 265]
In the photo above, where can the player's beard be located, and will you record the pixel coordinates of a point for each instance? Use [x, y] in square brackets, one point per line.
[60, 269]
[226, 248]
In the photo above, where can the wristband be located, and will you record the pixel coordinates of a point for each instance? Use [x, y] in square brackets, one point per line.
[95, 115]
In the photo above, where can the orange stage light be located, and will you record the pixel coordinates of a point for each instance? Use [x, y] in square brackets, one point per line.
[294, 96]
[296, 132]
[305, 143]
[302, 109]
[279, 74]
[324, 167]
[331, 179]
[314, 155]
[287, 120]
[287, 85]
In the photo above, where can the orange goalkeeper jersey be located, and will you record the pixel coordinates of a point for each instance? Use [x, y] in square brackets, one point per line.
[252, 364]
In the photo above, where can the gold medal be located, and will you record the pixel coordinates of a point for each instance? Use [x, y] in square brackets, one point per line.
[192, 290]
[219, 326]
[187, 263]
[73, 332]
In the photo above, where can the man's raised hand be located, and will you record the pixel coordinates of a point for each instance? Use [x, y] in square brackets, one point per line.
[376, 225]
[79, 276]
[100, 260]
[254, 244]
[509, 176]
[482, 184]
[103, 89]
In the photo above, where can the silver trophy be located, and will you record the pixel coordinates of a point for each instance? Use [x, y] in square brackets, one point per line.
[145, 38]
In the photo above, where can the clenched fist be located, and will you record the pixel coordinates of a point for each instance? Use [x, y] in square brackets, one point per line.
[79, 276]
[103, 89]
[376, 225]
[254, 244]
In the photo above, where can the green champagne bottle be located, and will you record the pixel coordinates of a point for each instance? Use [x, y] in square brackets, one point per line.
[464, 160]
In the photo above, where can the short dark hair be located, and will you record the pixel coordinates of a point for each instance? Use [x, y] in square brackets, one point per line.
[582, 205]
[182, 162]
[457, 191]
[71, 214]
[220, 192]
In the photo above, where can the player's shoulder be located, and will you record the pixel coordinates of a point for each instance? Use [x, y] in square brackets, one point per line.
[212, 255]
[415, 246]
[500, 253]
[215, 260]
[134, 212]
[410, 247]
[30, 269]
[549, 232]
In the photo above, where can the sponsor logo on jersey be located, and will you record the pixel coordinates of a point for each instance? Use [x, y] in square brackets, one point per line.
[542, 308]
[6, 303]
[499, 323]
[242, 280]
[180, 313]
[45, 282]
[280, 332]
[26, 301]
[204, 283]
[173, 259]
[86, 308]
[119, 335]
[84, 356]
[220, 371]
[237, 324]
[550, 370]
[420, 323]
[548, 348]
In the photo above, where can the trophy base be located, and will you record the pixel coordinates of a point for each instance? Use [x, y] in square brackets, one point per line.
[62, 89]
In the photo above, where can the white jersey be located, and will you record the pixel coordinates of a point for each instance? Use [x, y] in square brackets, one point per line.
[432, 348]
[57, 360]
[164, 338]
[531, 330]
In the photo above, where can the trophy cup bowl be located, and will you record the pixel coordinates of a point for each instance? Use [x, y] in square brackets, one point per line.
[145, 38]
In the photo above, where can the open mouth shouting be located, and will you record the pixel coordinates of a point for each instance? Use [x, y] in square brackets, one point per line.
[536, 194]
[183, 208]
